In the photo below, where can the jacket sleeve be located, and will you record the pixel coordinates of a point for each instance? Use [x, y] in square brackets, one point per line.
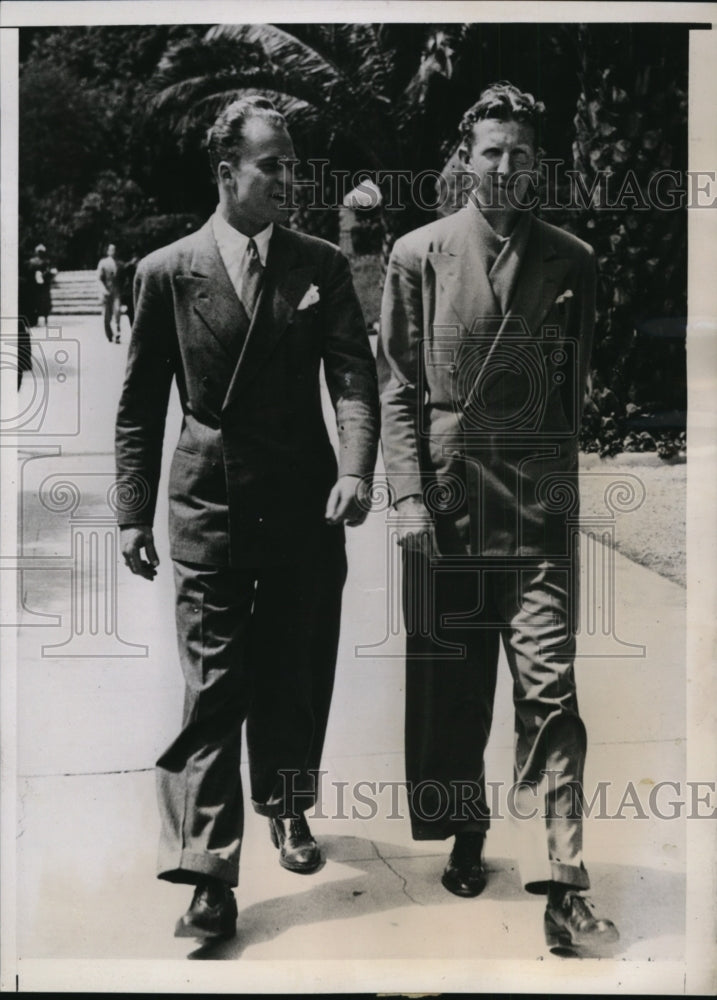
[350, 371]
[399, 365]
[145, 396]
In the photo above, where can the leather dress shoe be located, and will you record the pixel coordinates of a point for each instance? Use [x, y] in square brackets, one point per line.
[572, 924]
[298, 851]
[212, 914]
[464, 875]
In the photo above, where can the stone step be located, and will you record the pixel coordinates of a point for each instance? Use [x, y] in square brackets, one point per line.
[62, 295]
[83, 310]
[74, 282]
[76, 293]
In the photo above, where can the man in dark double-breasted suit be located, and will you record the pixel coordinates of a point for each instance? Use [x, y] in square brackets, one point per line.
[242, 313]
[486, 333]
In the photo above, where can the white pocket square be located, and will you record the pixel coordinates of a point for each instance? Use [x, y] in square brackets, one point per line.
[567, 294]
[311, 296]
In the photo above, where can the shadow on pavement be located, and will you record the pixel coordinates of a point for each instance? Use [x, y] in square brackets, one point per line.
[644, 902]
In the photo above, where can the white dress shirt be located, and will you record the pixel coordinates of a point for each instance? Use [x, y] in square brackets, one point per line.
[232, 247]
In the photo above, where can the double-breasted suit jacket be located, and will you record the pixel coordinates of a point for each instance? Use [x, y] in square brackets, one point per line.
[482, 398]
[485, 346]
[254, 465]
[258, 572]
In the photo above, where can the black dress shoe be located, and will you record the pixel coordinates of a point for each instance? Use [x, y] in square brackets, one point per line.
[298, 851]
[464, 874]
[212, 915]
[570, 923]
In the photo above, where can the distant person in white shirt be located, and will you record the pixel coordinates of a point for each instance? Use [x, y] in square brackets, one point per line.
[107, 277]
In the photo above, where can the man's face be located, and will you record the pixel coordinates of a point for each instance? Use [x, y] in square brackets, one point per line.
[111, 250]
[256, 188]
[498, 155]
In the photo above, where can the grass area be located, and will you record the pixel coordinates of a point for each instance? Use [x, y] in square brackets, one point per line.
[653, 534]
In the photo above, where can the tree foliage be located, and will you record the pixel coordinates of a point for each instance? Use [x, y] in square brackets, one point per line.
[113, 119]
[629, 129]
[84, 136]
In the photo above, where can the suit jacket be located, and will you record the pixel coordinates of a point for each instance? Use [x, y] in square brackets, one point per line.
[253, 466]
[481, 407]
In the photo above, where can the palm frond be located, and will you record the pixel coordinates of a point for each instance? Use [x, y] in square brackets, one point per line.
[284, 50]
[300, 115]
[317, 77]
[374, 58]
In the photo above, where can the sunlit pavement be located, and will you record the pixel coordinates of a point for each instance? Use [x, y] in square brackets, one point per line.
[99, 697]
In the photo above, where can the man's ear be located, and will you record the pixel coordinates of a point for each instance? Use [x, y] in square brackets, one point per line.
[224, 172]
[464, 154]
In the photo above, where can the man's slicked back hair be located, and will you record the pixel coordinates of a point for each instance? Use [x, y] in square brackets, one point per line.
[224, 138]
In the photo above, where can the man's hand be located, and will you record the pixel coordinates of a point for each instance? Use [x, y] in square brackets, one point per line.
[132, 541]
[343, 506]
[415, 526]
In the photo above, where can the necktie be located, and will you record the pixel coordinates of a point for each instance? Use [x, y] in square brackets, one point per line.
[251, 275]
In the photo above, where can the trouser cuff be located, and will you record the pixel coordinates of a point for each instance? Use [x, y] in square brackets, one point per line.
[442, 831]
[189, 868]
[571, 876]
[280, 809]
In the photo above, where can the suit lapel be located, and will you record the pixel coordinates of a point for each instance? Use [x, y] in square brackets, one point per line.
[535, 290]
[211, 294]
[538, 281]
[460, 272]
[285, 282]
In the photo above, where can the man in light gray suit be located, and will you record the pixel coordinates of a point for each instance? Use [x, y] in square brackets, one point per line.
[486, 333]
[242, 314]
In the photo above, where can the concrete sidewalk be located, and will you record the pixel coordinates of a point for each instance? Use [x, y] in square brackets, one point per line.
[99, 697]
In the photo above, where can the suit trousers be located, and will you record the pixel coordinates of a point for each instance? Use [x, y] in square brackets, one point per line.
[111, 313]
[456, 617]
[256, 645]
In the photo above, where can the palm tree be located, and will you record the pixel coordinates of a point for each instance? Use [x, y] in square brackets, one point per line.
[365, 95]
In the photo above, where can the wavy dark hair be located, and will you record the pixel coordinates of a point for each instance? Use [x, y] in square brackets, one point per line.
[503, 102]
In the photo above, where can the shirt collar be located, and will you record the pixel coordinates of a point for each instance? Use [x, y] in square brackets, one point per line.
[235, 243]
[520, 227]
